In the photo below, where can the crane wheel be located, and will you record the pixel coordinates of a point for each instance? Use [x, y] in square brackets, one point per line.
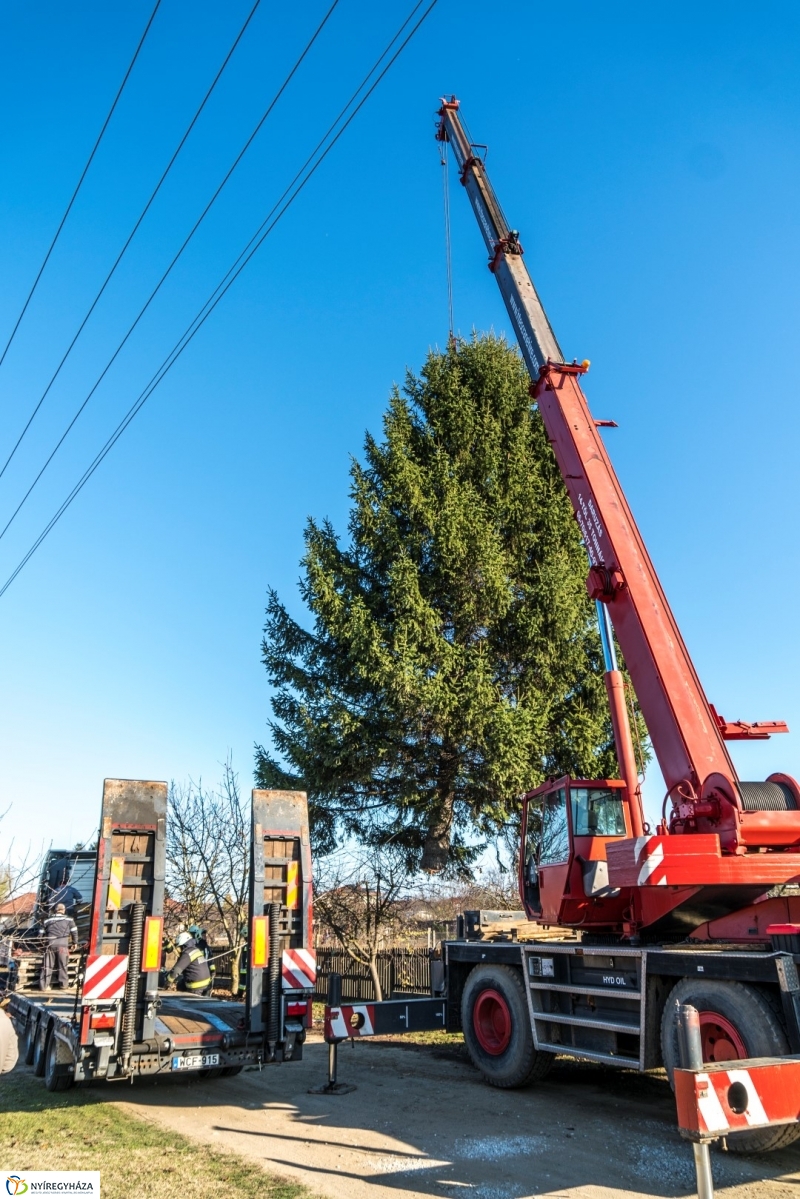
[497, 1028]
[736, 1021]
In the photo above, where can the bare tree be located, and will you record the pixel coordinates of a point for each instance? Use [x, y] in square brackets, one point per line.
[208, 859]
[19, 868]
[356, 897]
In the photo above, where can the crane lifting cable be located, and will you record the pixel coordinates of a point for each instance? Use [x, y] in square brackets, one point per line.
[317, 157]
[161, 281]
[447, 242]
[131, 236]
[79, 184]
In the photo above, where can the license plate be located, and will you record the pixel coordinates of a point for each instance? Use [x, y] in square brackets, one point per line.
[195, 1061]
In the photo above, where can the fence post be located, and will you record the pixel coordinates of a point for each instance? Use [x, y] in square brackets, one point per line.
[690, 1055]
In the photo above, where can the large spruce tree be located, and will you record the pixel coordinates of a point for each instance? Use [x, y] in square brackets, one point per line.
[454, 660]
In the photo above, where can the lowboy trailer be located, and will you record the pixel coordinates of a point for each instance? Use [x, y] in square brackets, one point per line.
[116, 1023]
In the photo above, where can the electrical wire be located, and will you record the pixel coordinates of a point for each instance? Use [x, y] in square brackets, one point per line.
[130, 236]
[80, 182]
[161, 281]
[232, 274]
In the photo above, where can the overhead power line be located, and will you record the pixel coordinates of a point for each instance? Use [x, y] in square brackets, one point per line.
[68, 209]
[130, 236]
[271, 220]
[165, 275]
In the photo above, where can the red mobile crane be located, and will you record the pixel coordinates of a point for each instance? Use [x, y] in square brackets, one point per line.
[688, 914]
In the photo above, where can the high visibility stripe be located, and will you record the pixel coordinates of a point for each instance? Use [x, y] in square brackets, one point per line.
[259, 942]
[299, 969]
[151, 944]
[202, 982]
[292, 889]
[350, 1020]
[105, 976]
[115, 884]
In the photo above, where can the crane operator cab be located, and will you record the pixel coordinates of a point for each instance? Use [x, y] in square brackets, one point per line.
[566, 825]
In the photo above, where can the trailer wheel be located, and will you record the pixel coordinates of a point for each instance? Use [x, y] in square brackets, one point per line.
[736, 1021]
[229, 1071]
[40, 1048]
[29, 1040]
[497, 1028]
[53, 1080]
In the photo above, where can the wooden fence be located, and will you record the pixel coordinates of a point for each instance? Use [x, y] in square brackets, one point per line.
[401, 972]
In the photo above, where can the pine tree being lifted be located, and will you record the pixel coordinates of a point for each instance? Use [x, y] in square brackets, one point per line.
[454, 661]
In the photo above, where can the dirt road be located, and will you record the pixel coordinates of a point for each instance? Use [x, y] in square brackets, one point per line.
[422, 1124]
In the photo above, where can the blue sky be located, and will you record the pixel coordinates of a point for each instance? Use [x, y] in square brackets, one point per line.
[649, 155]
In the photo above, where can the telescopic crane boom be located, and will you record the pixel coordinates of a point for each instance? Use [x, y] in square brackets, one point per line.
[726, 816]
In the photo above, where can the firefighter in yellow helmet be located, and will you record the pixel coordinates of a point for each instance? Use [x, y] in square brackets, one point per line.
[191, 971]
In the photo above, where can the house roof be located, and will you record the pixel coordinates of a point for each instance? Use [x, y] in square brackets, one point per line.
[20, 905]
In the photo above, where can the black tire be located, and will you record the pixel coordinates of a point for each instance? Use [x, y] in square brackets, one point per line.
[29, 1041]
[512, 1061]
[40, 1048]
[53, 1080]
[229, 1071]
[211, 1072]
[759, 1028]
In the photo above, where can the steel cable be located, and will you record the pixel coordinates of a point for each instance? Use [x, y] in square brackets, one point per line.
[231, 275]
[129, 239]
[80, 183]
[161, 281]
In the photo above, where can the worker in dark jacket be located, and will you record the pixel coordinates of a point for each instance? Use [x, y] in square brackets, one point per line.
[191, 970]
[60, 888]
[59, 930]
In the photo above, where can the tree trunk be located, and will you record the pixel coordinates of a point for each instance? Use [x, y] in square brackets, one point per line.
[436, 850]
[376, 982]
[236, 961]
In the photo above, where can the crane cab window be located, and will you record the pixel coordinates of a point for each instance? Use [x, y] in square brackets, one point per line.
[597, 812]
[554, 844]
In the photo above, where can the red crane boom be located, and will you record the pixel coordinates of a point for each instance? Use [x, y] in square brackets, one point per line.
[735, 824]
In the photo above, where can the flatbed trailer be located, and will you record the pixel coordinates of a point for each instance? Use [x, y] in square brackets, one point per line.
[115, 1023]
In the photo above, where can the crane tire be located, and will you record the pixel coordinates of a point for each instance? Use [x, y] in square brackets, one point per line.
[753, 1025]
[53, 1080]
[40, 1048]
[497, 1028]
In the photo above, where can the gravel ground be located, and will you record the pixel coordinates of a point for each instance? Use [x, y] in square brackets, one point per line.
[421, 1123]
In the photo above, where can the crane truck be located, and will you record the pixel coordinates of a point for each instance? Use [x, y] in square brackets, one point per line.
[704, 910]
[114, 1023]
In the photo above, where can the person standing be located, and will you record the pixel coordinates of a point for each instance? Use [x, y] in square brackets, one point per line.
[60, 931]
[191, 971]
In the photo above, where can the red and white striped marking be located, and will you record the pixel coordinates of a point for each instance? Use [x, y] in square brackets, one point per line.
[649, 855]
[349, 1020]
[715, 1101]
[299, 969]
[106, 975]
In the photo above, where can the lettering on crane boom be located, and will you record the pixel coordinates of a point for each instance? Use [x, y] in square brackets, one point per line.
[591, 529]
[523, 332]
